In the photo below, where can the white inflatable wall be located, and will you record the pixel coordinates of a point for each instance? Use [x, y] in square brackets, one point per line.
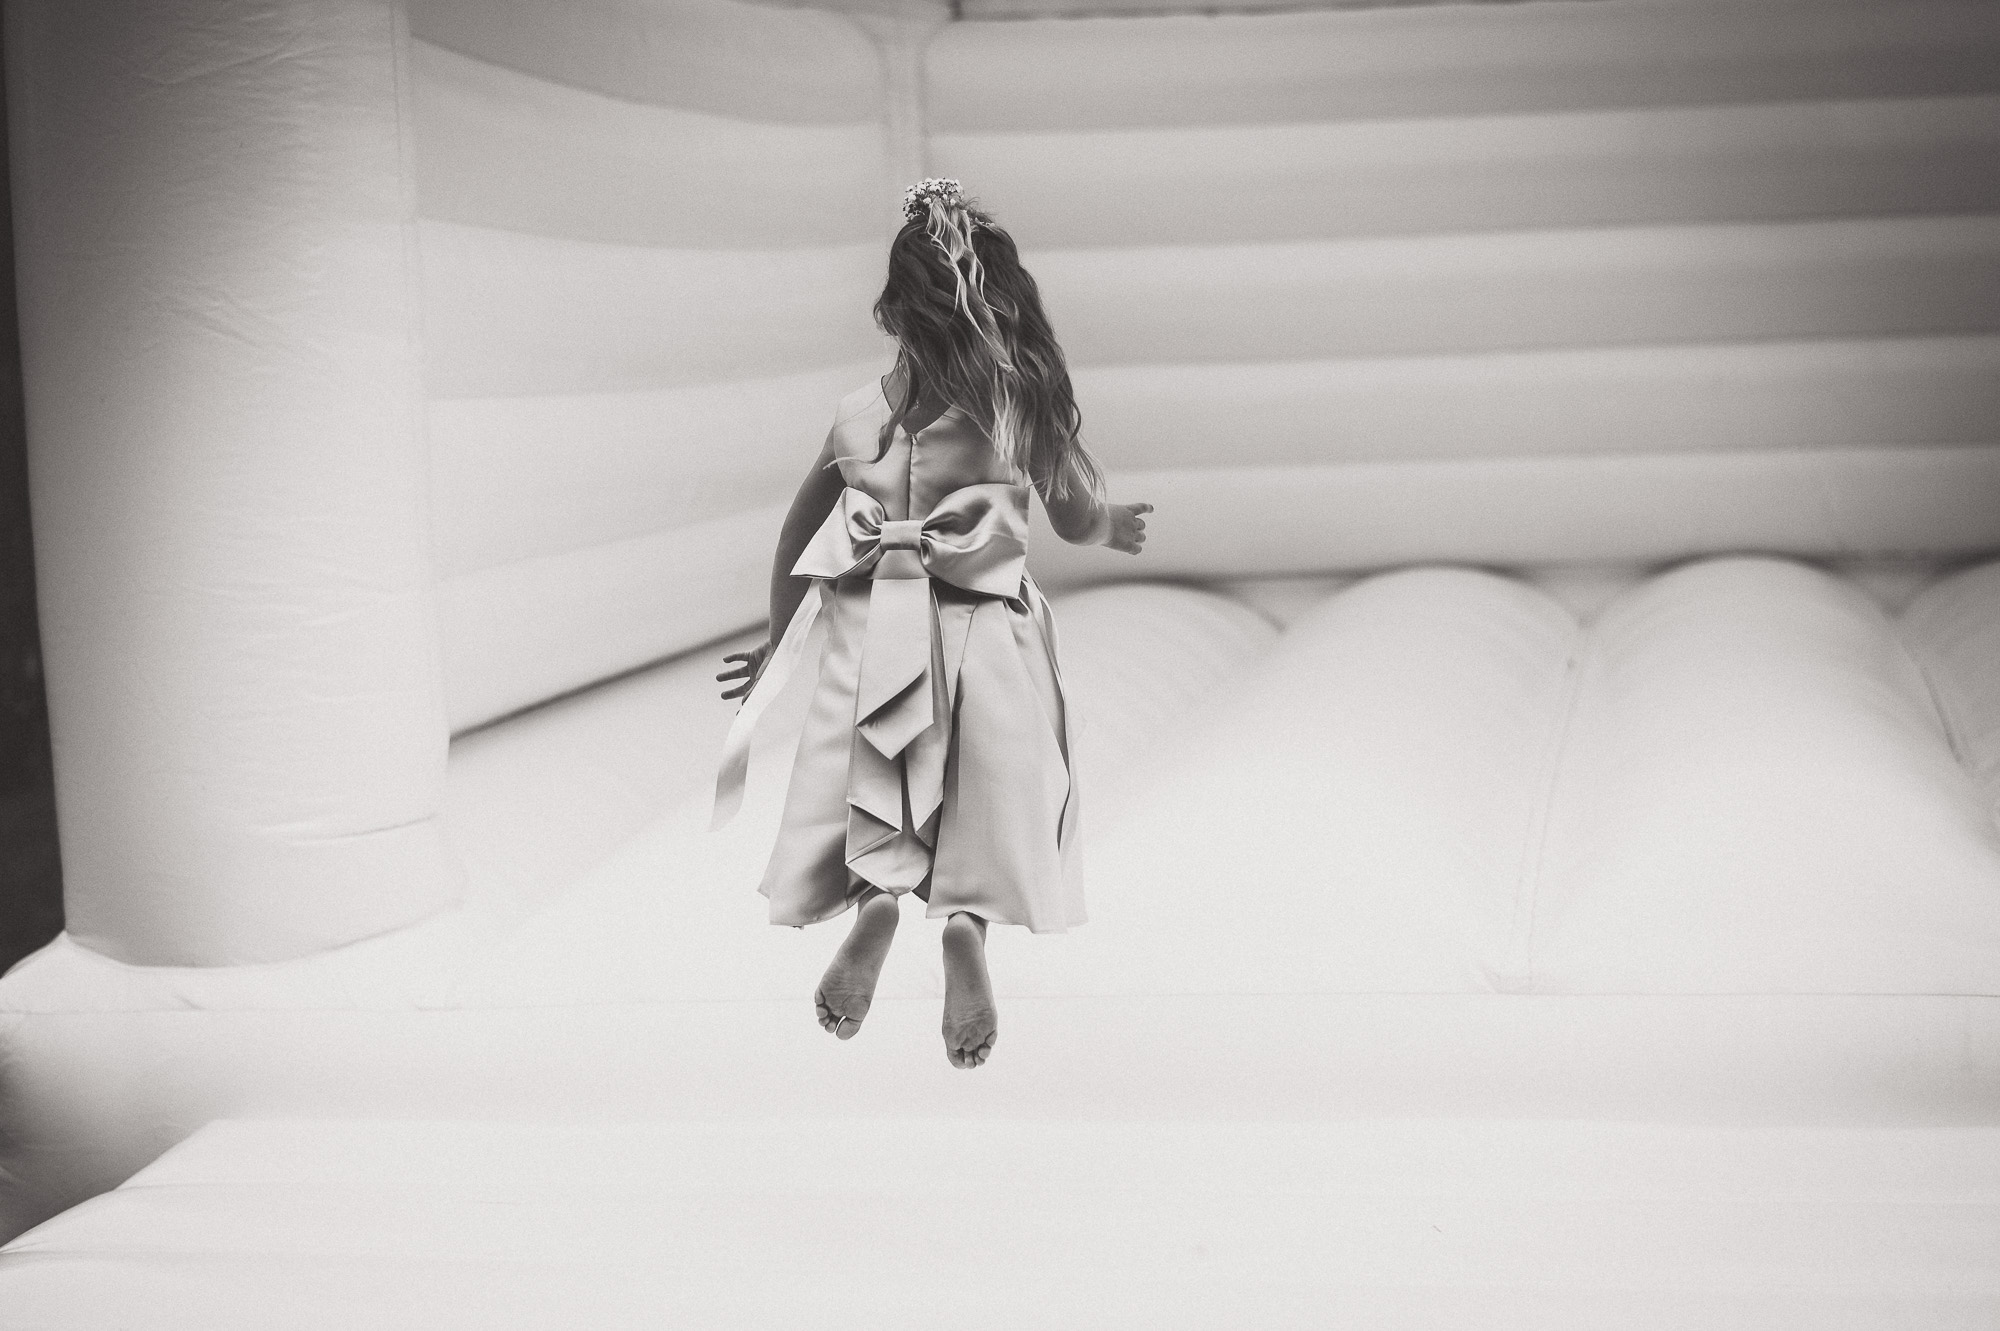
[1501, 289]
[651, 235]
[287, 546]
[218, 323]
[1506, 284]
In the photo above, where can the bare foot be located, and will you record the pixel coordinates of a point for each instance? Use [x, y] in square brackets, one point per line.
[970, 1023]
[848, 987]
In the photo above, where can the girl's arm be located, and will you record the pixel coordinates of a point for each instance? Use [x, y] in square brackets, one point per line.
[1081, 518]
[815, 499]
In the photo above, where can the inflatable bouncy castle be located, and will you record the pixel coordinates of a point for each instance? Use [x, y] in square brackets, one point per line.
[1540, 781]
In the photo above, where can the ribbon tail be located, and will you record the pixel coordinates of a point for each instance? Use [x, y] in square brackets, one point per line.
[733, 774]
[924, 761]
[1044, 613]
[893, 702]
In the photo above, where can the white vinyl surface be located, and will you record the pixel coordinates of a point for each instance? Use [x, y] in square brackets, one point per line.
[914, 1223]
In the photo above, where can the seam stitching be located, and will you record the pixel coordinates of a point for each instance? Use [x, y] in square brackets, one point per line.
[1934, 689]
[1517, 971]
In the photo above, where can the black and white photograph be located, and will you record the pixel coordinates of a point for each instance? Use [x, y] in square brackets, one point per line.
[1000, 665]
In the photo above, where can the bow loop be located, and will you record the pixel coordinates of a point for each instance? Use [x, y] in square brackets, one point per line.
[975, 539]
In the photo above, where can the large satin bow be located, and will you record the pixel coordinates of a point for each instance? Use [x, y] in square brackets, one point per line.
[976, 538]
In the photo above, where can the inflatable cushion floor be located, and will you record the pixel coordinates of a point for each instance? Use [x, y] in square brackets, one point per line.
[1712, 843]
[917, 1223]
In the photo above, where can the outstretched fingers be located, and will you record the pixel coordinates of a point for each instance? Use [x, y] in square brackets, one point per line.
[1128, 527]
[749, 665]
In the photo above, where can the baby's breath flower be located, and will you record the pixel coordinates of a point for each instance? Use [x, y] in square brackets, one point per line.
[941, 188]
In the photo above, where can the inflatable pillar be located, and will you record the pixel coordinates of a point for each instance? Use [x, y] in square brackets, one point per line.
[902, 37]
[215, 231]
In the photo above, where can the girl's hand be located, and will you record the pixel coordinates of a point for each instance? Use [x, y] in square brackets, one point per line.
[1128, 528]
[749, 671]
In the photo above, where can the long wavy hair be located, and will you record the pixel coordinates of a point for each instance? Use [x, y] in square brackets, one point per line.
[969, 328]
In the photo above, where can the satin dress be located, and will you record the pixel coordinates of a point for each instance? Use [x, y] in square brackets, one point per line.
[937, 750]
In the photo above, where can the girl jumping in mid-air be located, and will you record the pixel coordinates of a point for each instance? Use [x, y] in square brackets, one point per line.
[937, 755]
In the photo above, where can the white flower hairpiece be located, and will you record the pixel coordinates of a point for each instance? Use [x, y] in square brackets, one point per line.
[944, 190]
